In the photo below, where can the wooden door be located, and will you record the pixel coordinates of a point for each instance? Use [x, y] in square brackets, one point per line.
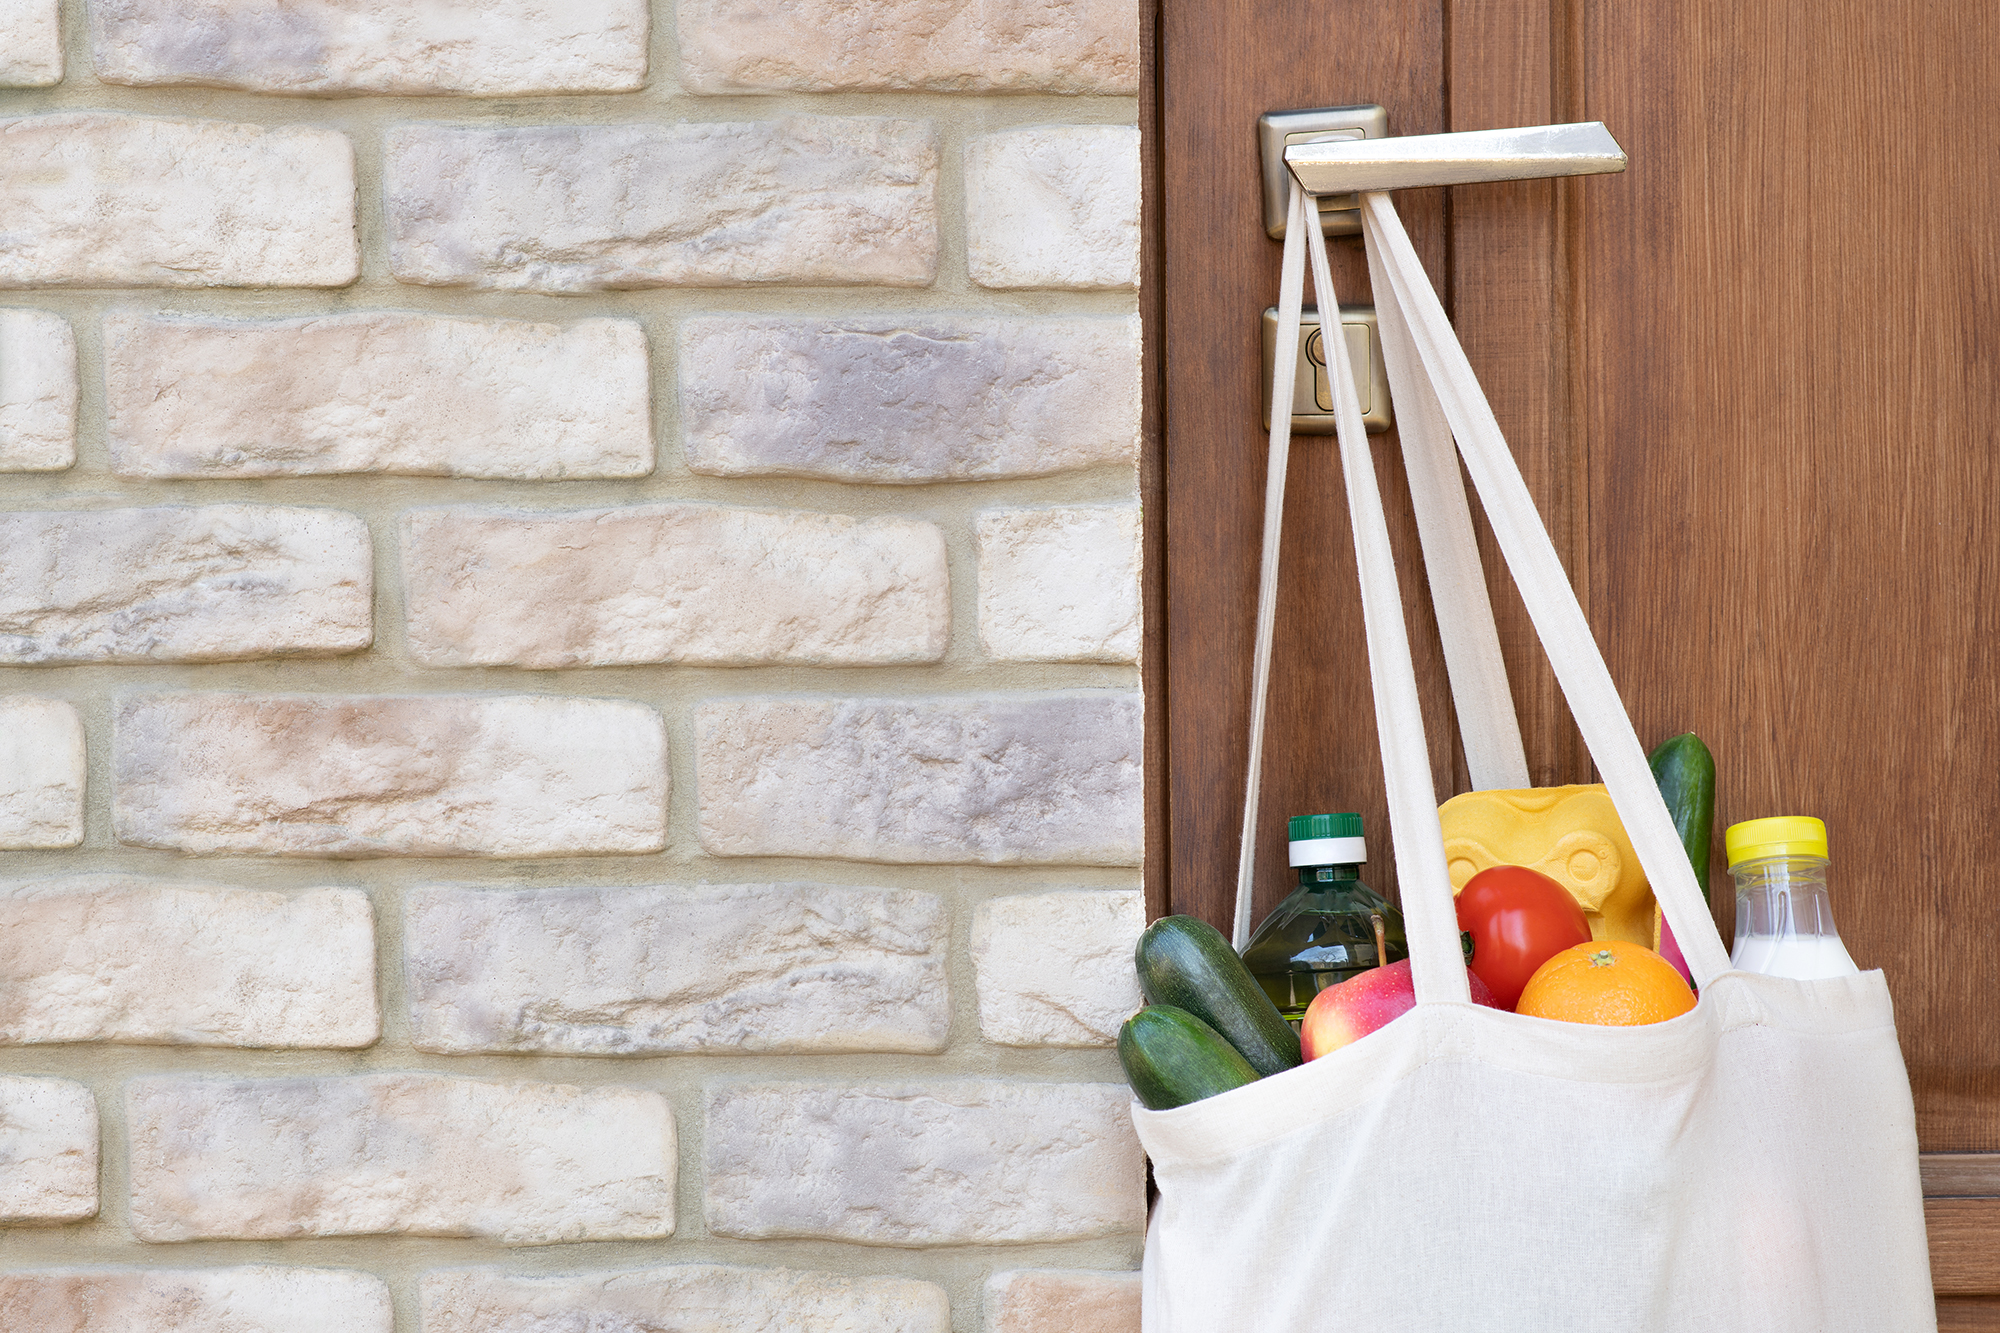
[1754, 384]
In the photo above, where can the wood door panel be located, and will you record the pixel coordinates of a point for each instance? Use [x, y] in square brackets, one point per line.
[1968, 1314]
[1752, 383]
[1222, 64]
[1965, 1260]
[1785, 331]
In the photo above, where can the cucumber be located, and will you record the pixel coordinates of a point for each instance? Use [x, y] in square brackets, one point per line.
[1186, 963]
[1172, 1058]
[1685, 772]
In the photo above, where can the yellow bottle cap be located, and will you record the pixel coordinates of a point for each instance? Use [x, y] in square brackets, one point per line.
[1780, 835]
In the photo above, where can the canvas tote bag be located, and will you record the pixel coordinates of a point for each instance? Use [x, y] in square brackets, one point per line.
[1750, 1165]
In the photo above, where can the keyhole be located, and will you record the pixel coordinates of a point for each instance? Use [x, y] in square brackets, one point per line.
[1322, 386]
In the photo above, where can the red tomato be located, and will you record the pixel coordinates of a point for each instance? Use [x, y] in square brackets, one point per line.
[1519, 919]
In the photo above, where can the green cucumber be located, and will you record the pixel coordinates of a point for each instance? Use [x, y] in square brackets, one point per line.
[1186, 963]
[1685, 772]
[1172, 1058]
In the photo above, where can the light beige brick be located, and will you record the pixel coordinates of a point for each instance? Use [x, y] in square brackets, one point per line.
[1055, 969]
[219, 583]
[1082, 46]
[408, 775]
[1054, 206]
[993, 779]
[403, 1154]
[41, 773]
[683, 1298]
[48, 1155]
[809, 968]
[486, 47]
[909, 400]
[31, 54]
[1060, 585]
[808, 200]
[120, 958]
[379, 391]
[207, 1300]
[38, 389]
[100, 199]
[972, 1163]
[673, 583]
[1030, 1300]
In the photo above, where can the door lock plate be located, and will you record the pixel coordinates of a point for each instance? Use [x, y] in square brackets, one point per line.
[1339, 215]
[1312, 391]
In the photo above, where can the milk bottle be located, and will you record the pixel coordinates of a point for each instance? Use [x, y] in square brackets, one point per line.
[1784, 923]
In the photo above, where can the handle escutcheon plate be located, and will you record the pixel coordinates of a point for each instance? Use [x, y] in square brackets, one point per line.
[1279, 130]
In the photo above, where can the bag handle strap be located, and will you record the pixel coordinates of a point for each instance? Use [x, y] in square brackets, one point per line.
[1481, 699]
[1430, 918]
[1483, 702]
[1421, 351]
[1551, 602]
[1291, 299]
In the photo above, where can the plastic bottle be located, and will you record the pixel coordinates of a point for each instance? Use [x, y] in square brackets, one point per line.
[1784, 923]
[1325, 931]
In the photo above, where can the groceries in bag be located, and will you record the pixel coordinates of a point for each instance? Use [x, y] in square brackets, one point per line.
[1356, 1007]
[1186, 963]
[1684, 771]
[1324, 932]
[1609, 982]
[1518, 919]
[1210, 1027]
[1206, 1031]
[1784, 922]
[1571, 834]
[1172, 1058]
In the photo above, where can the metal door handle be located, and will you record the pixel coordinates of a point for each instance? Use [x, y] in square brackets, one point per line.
[1349, 166]
[1336, 153]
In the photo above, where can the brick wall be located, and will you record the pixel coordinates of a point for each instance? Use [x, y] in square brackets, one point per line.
[569, 748]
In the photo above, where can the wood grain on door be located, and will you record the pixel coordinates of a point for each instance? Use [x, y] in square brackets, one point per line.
[1788, 375]
[1754, 384]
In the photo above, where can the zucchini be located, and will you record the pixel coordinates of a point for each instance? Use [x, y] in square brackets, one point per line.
[1685, 772]
[1186, 963]
[1172, 1058]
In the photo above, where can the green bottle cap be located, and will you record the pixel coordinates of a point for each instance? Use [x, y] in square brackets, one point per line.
[1327, 840]
[1306, 827]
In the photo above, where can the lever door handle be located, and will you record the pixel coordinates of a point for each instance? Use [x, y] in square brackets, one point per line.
[1348, 166]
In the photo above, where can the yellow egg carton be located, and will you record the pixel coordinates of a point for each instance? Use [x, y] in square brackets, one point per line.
[1571, 834]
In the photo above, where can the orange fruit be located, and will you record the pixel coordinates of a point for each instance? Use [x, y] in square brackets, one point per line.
[1612, 982]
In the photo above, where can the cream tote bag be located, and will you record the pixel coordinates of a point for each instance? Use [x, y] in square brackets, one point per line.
[1750, 1165]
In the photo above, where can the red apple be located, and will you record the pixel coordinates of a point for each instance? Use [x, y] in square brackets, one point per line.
[1357, 1006]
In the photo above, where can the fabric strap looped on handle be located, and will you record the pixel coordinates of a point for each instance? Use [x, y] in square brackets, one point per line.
[1481, 699]
[1291, 298]
[1421, 351]
[1478, 673]
[1430, 919]
[1400, 283]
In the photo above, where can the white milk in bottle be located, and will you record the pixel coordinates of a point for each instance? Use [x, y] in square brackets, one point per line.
[1784, 923]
